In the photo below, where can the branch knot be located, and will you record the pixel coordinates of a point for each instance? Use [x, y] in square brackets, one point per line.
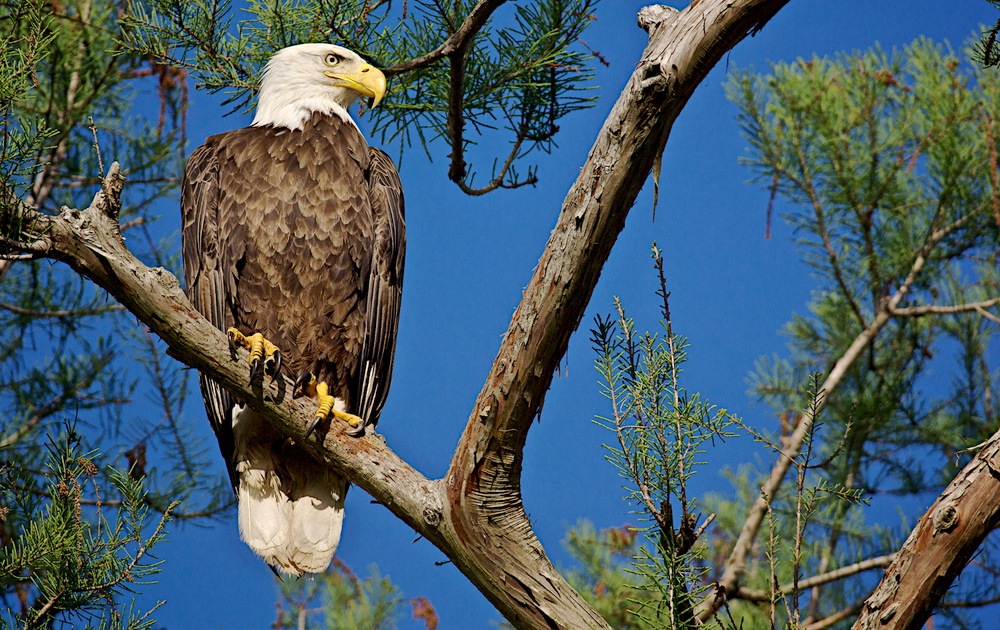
[945, 518]
[654, 15]
[109, 198]
[432, 515]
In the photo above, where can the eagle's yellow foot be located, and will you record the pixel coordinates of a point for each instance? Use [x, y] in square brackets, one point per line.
[263, 354]
[306, 384]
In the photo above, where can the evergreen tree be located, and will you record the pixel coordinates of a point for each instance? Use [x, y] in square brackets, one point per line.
[885, 166]
[888, 165]
[87, 486]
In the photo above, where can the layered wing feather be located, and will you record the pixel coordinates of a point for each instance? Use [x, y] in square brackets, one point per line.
[203, 264]
[385, 287]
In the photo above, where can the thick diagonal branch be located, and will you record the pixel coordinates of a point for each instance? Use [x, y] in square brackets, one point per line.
[939, 547]
[484, 478]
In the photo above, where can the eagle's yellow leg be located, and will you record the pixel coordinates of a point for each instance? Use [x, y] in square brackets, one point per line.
[308, 385]
[262, 351]
[326, 407]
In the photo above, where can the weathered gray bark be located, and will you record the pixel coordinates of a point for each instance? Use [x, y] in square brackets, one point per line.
[475, 514]
[939, 546]
[484, 477]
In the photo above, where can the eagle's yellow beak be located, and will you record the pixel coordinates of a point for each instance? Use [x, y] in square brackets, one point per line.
[367, 81]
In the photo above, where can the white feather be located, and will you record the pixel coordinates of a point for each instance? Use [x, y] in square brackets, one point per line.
[293, 87]
[316, 522]
[291, 511]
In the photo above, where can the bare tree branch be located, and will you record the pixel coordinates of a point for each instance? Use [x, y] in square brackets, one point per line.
[459, 40]
[834, 618]
[761, 595]
[484, 475]
[79, 312]
[932, 309]
[976, 603]
[990, 316]
[457, 49]
[944, 540]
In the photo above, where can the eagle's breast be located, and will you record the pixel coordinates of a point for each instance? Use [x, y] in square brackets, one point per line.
[301, 278]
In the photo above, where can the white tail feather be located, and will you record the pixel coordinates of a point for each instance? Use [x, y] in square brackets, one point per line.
[291, 507]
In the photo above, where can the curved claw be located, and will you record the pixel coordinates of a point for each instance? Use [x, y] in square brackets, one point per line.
[357, 431]
[255, 369]
[312, 426]
[231, 334]
[302, 385]
[274, 366]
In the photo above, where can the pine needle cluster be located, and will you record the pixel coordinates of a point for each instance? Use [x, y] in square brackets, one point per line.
[71, 553]
[661, 433]
[492, 87]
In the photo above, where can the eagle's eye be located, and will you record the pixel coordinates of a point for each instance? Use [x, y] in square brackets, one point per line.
[332, 59]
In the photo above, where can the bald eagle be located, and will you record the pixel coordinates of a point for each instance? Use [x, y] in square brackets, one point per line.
[293, 242]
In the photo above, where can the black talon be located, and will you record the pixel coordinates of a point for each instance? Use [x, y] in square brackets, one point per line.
[274, 365]
[312, 427]
[298, 389]
[255, 369]
[357, 431]
[232, 345]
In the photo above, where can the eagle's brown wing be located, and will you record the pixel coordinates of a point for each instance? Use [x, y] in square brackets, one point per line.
[202, 253]
[385, 287]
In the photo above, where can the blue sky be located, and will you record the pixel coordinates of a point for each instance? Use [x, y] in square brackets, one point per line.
[467, 262]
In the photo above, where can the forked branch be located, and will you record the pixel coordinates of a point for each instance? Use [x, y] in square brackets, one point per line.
[474, 515]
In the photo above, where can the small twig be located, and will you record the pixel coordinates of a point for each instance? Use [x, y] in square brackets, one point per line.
[27, 250]
[933, 309]
[978, 603]
[458, 40]
[988, 315]
[824, 233]
[836, 617]
[498, 180]
[82, 312]
[760, 595]
[133, 223]
[701, 528]
[596, 54]
[97, 146]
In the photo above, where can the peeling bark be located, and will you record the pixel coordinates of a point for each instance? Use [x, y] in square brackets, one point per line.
[475, 514]
[939, 546]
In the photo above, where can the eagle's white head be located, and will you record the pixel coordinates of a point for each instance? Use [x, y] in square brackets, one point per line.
[300, 80]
